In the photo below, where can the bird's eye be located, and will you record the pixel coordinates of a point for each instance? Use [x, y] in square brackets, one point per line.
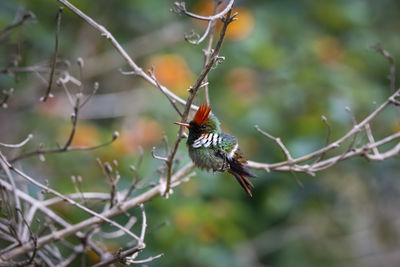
[203, 126]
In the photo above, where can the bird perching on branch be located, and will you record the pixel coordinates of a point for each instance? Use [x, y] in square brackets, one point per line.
[212, 149]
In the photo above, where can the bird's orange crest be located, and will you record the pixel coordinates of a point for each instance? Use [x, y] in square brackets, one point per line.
[202, 114]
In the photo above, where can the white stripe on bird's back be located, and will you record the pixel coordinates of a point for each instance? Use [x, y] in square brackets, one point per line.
[215, 139]
[232, 153]
[204, 140]
[209, 138]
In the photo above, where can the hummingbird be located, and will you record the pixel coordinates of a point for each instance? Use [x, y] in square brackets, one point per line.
[212, 149]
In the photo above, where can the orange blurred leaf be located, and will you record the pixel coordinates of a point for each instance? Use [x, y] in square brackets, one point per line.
[145, 132]
[243, 27]
[328, 49]
[172, 71]
[243, 82]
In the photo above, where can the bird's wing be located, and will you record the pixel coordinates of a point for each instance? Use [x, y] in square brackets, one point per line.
[231, 152]
[228, 144]
[234, 155]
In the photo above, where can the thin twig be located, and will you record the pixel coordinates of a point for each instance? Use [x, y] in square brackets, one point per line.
[74, 117]
[25, 17]
[94, 91]
[207, 51]
[285, 151]
[53, 63]
[392, 71]
[171, 100]
[42, 151]
[371, 139]
[135, 177]
[149, 259]
[153, 154]
[328, 138]
[78, 188]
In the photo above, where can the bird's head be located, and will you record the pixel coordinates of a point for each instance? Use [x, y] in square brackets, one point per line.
[203, 122]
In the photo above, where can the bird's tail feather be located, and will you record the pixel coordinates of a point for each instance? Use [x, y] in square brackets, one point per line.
[240, 172]
[239, 168]
[243, 181]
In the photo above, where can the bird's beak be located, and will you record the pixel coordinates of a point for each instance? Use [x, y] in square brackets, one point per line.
[183, 124]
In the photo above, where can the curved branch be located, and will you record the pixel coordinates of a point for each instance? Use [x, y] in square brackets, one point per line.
[27, 139]
[181, 8]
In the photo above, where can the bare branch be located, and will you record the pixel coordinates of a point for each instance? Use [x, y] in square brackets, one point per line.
[283, 166]
[69, 200]
[42, 206]
[146, 196]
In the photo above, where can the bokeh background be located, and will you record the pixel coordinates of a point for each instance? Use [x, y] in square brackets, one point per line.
[287, 64]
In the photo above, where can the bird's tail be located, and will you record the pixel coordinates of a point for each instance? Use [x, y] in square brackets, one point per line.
[240, 172]
[243, 181]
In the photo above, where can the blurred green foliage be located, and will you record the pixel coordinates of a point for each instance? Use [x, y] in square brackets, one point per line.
[287, 63]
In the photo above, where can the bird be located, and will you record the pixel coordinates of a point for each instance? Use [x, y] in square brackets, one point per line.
[211, 149]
